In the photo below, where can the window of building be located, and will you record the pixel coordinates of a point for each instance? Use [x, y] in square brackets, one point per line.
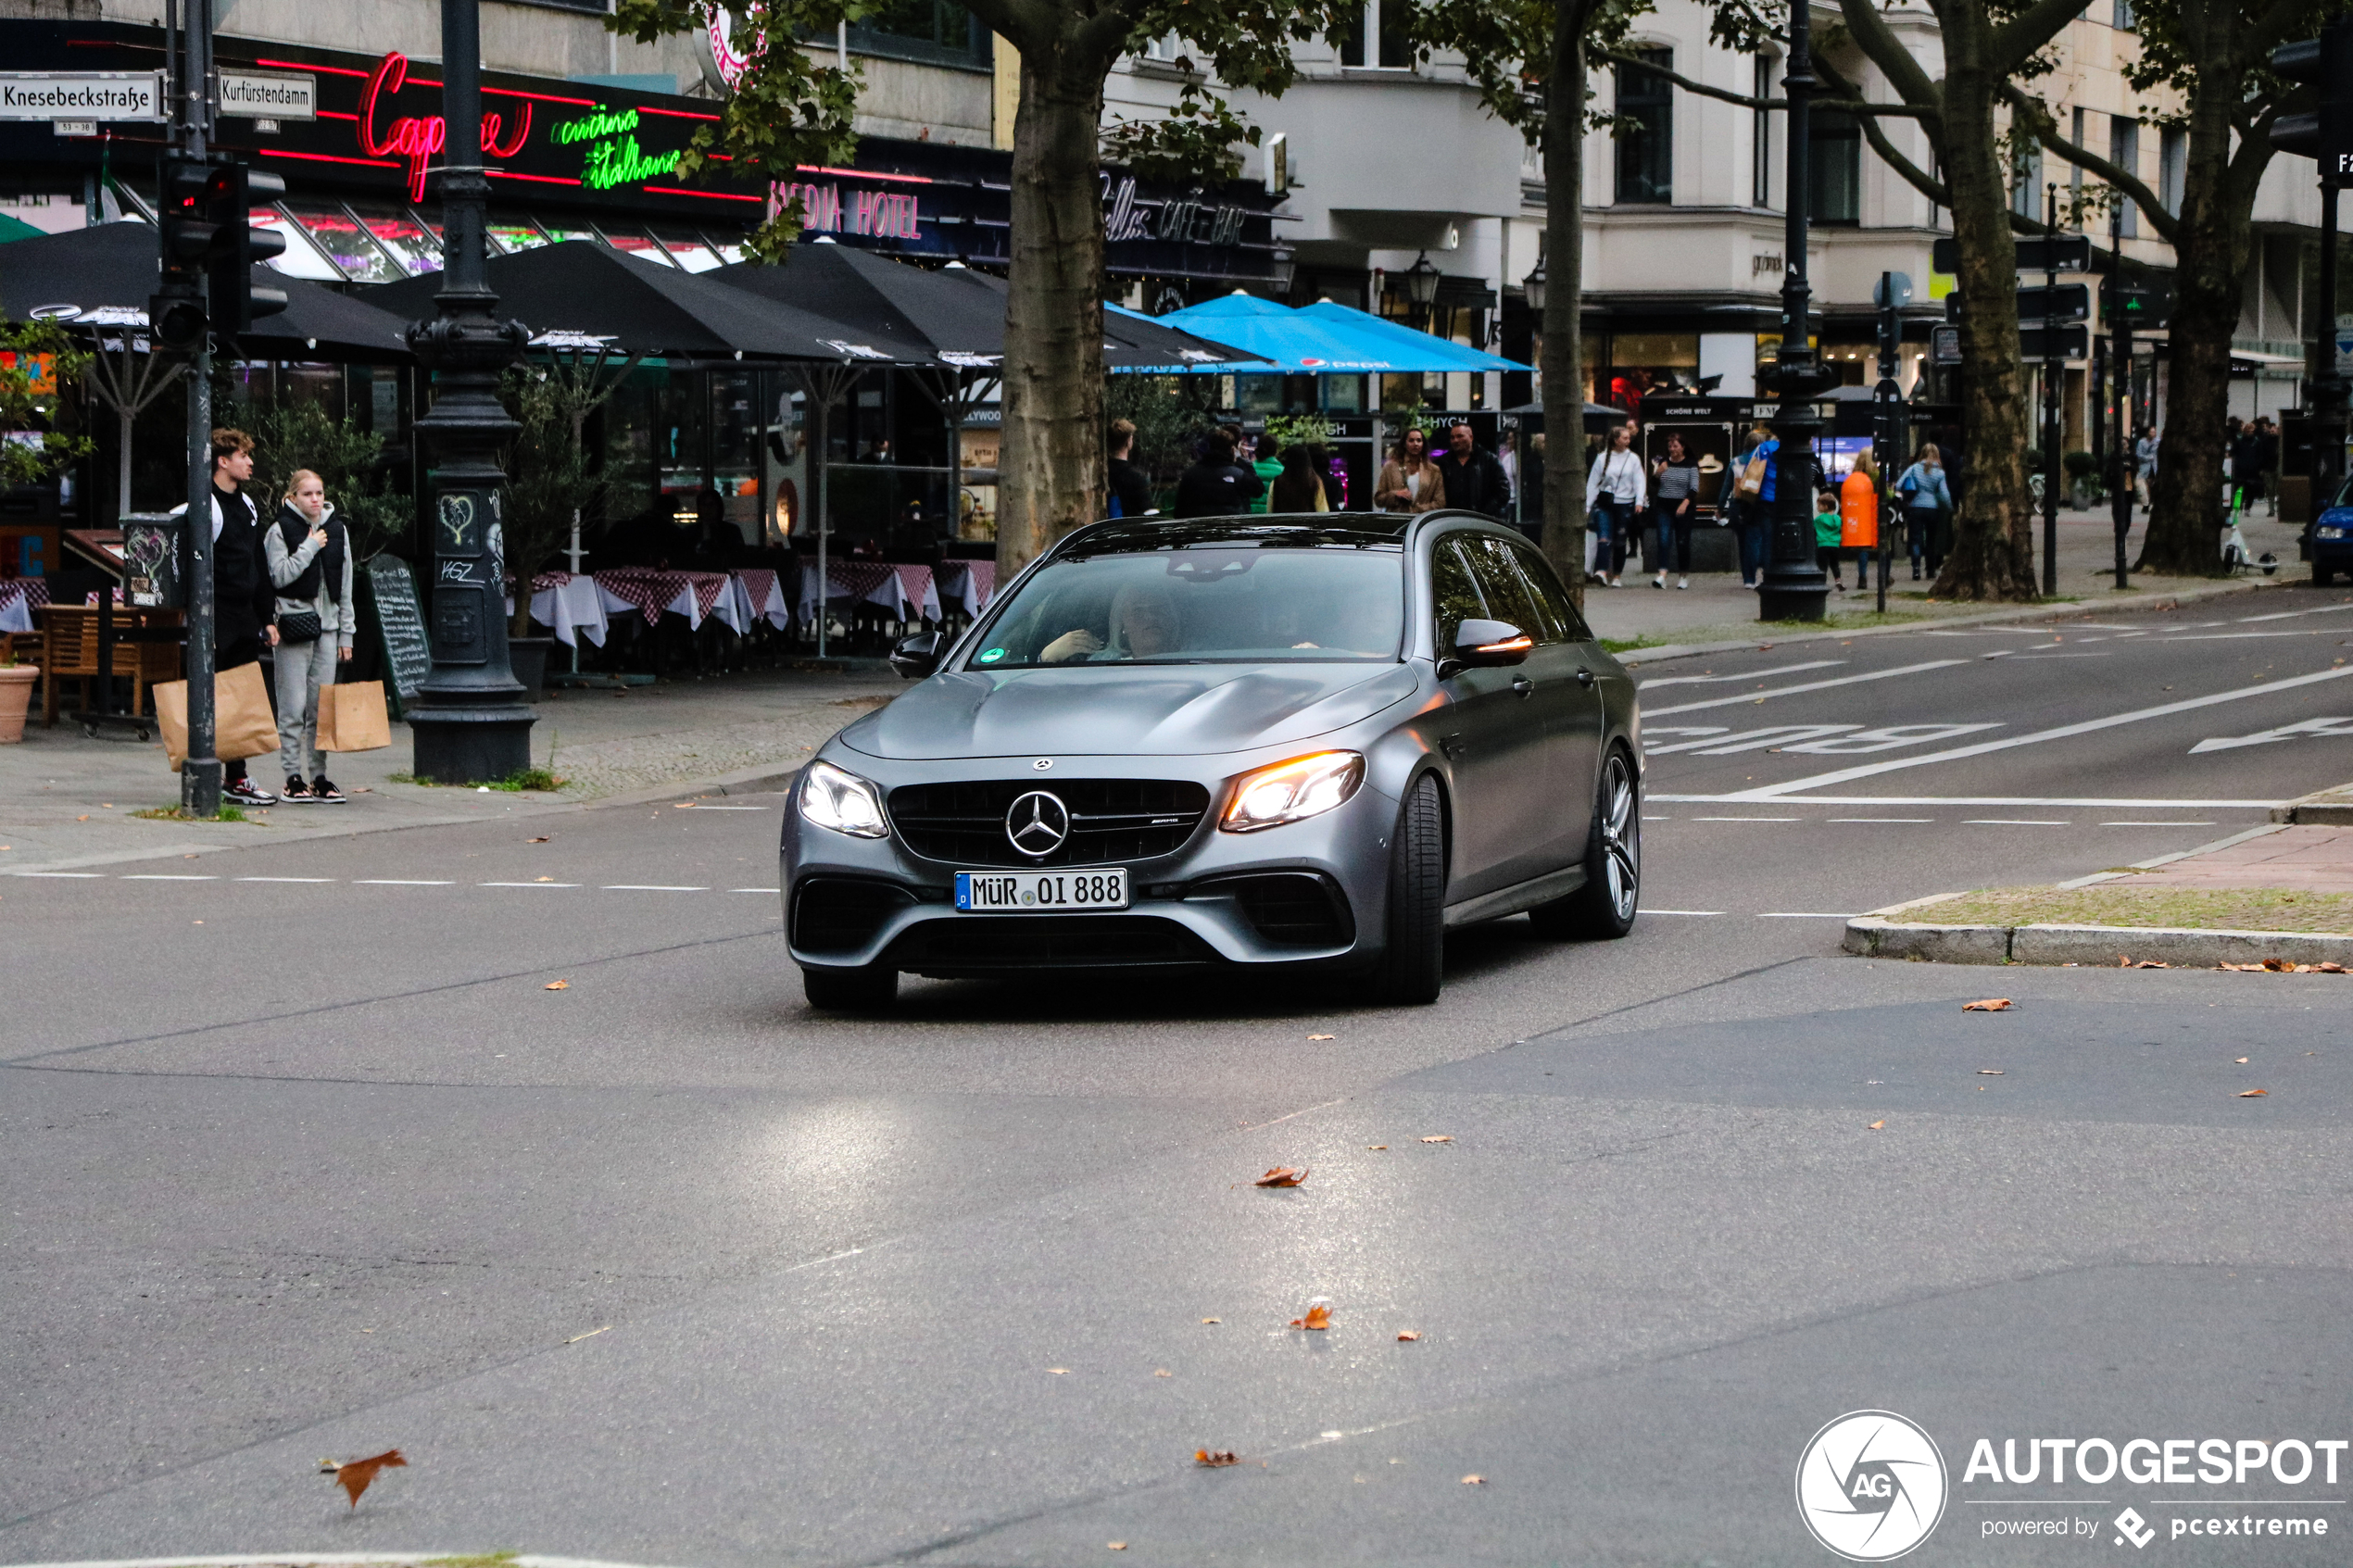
[933, 32]
[2026, 182]
[1364, 41]
[1761, 131]
[1834, 168]
[1645, 132]
[2075, 170]
[2173, 165]
[2124, 151]
[2121, 16]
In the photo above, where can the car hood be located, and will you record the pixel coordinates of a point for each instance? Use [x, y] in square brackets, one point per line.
[1161, 710]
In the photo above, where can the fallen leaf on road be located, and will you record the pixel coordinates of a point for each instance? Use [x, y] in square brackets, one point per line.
[1989, 1072]
[1212, 1319]
[355, 1475]
[2250, 1094]
[1316, 1318]
[83, 818]
[559, 985]
[1991, 1004]
[1322, 1037]
[1117, 1546]
[1474, 1480]
[2276, 965]
[1407, 1336]
[542, 879]
[2152, 964]
[1440, 1138]
[1282, 1176]
[2240, 1060]
[1058, 1371]
[1875, 1126]
[2317, 969]
[1215, 1458]
[1163, 1372]
[540, 840]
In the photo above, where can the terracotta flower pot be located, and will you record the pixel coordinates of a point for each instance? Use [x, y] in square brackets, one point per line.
[15, 699]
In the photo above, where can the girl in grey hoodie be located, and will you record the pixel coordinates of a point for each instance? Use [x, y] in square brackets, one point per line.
[310, 559]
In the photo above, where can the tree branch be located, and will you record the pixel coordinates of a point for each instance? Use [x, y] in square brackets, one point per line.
[2046, 131]
[1906, 169]
[1883, 49]
[2017, 40]
[1854, 106]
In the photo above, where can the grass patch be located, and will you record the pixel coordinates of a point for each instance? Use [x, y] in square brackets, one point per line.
[478, 1559]
[530, 778]
[226, 813]
[2222, 908]
[1627, 645]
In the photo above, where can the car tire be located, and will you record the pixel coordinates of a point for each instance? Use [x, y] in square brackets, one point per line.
[1413, 966]
[1604, 908]
[868, 988]
[2322, 575]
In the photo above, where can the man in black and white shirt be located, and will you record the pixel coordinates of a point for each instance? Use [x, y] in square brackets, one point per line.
[245, 603]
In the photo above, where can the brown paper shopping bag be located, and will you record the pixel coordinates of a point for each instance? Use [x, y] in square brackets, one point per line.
[242, 724]
[352, 717]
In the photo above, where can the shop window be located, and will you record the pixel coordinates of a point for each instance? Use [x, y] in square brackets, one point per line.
[1645, 133]
[1258, 394]
[692, 255]
[1364, 41]
[933, 32]
[2026, 182]
[409, 242]
[1642, 363]
[1834, 168]
[2172, 166]
[348, 242]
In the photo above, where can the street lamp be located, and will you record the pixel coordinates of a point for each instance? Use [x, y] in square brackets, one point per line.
[471, 722]
[1421, 288]
[1795, 586]
[1282, 266]
[1533, 286]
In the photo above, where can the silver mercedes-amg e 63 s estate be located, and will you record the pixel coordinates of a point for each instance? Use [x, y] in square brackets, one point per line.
[1289, 742]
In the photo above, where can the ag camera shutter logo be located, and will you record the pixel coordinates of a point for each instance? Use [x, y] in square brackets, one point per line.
[1871, 1486]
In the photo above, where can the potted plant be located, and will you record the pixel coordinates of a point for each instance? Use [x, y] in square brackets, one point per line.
[16, 697]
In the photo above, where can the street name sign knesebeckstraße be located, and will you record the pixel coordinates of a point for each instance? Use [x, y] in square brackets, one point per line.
[81, 94]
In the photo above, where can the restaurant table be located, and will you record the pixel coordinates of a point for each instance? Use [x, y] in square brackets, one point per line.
[764, 598]
[971, 584]
[650, 592]
[20, 596]
[905, 591]
[574, 606]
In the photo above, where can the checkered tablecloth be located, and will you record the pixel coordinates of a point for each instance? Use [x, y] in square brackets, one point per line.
[571, 606]
[763, 595]
[20, 596]
[905, 591]
[691, 594]
[971, 584]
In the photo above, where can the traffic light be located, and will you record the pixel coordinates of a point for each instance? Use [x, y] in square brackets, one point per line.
[236, 246]
[176, 313]
[2325, 62]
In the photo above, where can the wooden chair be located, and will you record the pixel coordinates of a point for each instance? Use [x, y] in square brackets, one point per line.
[70, 652]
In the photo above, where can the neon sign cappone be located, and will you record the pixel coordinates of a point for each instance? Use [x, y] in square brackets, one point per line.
[415, 139]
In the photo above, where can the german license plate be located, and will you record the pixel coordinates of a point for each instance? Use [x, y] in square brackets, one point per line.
[1022, 893]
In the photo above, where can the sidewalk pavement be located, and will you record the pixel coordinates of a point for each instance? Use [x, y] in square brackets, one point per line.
[2274, 896]
[68, 801]
[1645, 624]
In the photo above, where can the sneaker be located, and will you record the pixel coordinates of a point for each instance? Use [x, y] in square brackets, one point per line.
[1659, 581]
[297, 792]
[245, 792]
[1682, 583]
[326, 793]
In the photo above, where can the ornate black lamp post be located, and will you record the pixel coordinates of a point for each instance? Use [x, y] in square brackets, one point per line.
[1796, 588]
[471, 722]
[1421, 288]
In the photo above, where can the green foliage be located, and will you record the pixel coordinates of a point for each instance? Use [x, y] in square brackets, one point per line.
[2080, 464]
[291, 435]
[1507, 49]
[1170, 413]
[38, 359]
[1287, 430]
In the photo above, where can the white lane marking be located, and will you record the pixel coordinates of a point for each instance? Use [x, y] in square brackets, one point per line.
[2012, 822]
[75, 876]
[2037, 652]
[284, 879]
[1805, 686]
[2063, 732]
[727, 808]
[1702, 914]
[1882, 818]
[1722, 745]
[161, 876]
[2302, 727]
[636, 888]
[2106, 801]
[751, 890]
[1748, 819]
[2291, 614]
[2157, 824]
[1801, 914]
[1893, 737]
[399, 882]
[526, 884]
[1751, 675]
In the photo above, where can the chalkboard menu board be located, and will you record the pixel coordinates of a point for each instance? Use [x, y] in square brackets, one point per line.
[401, 626]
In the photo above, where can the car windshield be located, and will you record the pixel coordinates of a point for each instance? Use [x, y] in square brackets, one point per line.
[1200, 605]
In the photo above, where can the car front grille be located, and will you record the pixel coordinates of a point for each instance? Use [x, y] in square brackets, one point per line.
[981, 944]
[1111, 820]
[834, 915]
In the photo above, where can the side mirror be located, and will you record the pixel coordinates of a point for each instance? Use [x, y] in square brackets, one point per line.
[916, 657]
[1487, 645]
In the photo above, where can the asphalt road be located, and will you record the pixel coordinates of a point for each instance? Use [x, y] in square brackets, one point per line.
[302, 1158]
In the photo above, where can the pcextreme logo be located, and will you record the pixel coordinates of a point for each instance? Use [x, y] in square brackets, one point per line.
[1870, 1486]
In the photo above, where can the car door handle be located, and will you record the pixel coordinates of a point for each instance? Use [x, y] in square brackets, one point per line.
[1523, 686]
[1584, 677]
[1452, 745]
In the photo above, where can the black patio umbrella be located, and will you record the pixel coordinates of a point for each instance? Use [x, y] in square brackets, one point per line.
[581, 289]
[103, 276]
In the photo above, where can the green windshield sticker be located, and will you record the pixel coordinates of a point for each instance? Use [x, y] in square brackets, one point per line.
[992, 655]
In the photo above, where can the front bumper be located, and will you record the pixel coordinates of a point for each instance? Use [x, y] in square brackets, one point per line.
[1308, 895]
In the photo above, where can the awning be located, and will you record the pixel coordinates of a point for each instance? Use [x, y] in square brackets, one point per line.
[1326, 339]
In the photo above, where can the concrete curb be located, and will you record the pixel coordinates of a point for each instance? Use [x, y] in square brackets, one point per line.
[2324, 808]
[1637, 657]
[2091, 945]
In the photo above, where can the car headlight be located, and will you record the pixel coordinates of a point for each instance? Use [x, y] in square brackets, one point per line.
[1288, 792]
[843, 802]
[2328, 533]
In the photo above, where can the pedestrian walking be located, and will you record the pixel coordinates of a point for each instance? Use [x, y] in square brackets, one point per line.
[1675, 497]
[1858, 517]
[1827, 527]
[1473, 479]
[2145, 462]
[310, 559]
[1131, 493]
[1744, 509]
[1614, 491]
[1216, 484]
[1926, 496]
[1296, 488]
[244, 606]
[1409, 482]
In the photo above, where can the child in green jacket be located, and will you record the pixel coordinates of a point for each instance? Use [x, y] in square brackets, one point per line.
[1826, 536]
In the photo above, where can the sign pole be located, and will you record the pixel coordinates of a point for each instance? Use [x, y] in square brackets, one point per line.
[2121, 505]
[1795, 587]
[201, 773]
[2053, 370]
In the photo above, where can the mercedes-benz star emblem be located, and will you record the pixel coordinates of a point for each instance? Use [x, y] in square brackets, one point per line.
[1038, 823]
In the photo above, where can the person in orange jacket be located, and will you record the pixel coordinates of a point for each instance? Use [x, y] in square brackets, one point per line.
[1858, 517]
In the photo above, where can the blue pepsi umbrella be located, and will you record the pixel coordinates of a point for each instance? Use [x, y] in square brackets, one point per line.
[1291, 342]
[1432, 350]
